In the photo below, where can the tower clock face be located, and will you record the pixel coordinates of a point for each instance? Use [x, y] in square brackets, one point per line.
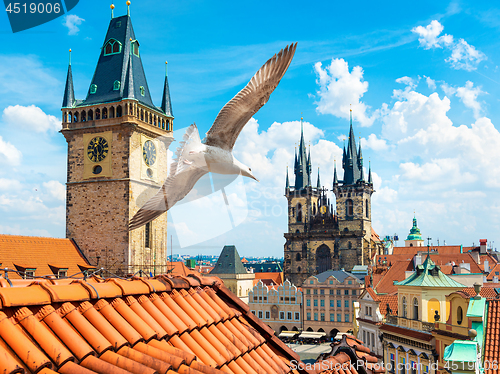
[97, 149]
[149, 153]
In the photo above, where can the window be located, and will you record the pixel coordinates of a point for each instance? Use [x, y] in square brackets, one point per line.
[322, 303]
[93, 88]
[349, 208]
[253, 311]
[142, 90]
[311, 282]
[347, 317]
[321, 292]
[289, 316]
[402, 361]
[308, 302]
[282, 315]
[338, 292]
[135, 48]
[297, 257]
[415, 308]
[331, 281]
[346, 303]
[297, 316]
[268, 314]
[308, 292]
[322, 316]
[260, 314]
[255, 298]
[366, 209]
[332, 303]
[413, 367]
[367, 339]
[62, 273]
[460, 315]
[349, 282]
[315, 316]
[339, 305]
[112, 47]
[331, 292]
[147, 237]
[29, 273]
[292, 299]
[392, 367]
[315, 292]
[116, 86]
[346, 292]
[332, 317]
[354, 292]
[299, 213]
[405, 313]
[339, 319]
[308, 316]
[364, 336]
[315, 302]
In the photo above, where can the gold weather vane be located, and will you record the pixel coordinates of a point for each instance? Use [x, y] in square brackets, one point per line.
[112, 6]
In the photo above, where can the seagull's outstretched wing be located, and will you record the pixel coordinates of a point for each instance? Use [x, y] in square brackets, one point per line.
[188, 167]
[237, 112]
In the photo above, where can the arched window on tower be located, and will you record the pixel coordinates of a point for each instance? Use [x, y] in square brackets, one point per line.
[366, 209]
[112, 47]
[297, 257]
[404, 307]
[349, 211]
[314, 209]
[299, 212]
[135, 48]
[349, 245]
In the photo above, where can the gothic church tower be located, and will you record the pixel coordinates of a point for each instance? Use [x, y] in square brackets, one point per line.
[117, 143]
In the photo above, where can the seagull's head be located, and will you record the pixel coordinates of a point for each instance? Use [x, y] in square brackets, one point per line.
[245, 170]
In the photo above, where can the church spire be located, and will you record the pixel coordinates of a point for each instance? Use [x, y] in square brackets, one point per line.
[302, 163]
[166, 104]
[287, 185]
[318, 185]
[69, 92]
[335, 180]
[350, 161]
[369, 172]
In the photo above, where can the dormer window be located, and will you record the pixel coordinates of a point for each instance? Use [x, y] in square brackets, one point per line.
[142, 90]
[135, 48]
[116, 85]
[93, 88]
[112, 47]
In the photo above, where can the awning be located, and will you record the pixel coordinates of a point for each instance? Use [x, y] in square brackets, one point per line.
[287, 334]
[312, 335]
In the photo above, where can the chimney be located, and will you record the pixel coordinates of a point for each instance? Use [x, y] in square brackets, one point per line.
[475, 256]
[482, 246]
[486, 266]
[367, 281]
[495, 279]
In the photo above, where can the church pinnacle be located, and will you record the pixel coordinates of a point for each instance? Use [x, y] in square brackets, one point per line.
[69, 92]
[302, 168]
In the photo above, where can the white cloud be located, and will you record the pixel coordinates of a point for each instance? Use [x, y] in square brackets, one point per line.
[463, 55]
[431, 83]
[340, 90]
[468, 95]
[72, 21]
[56, 189]
[375, 143]
[407, 81]
[30, 118]
[428, 36]
[9, 154]
[9, 184]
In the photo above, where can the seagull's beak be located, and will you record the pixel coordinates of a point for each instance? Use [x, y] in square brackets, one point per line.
[253, 177]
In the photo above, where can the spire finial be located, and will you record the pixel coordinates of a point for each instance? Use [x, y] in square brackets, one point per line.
[301, 125]
[350, 112]
[112, 6]
[128, 8]
[70, 56]
[166, 71]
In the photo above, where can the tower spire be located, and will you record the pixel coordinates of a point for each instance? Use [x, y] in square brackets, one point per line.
[302, 163]
[166, 103]
[128, 8]
[112, 6]
[318, 185]
[287, 185]
[335, 180]
[369, 172]
[69, 92]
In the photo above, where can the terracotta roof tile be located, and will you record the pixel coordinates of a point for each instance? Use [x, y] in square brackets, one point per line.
[491, 351]
[392, 300]
[169, 324]
[396, 272]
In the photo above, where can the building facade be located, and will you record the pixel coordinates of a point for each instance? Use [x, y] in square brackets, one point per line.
[279, 307]
[117, 143]
[320, 238]
[329, 301]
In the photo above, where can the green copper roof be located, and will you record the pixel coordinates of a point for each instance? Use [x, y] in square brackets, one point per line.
[461, 351]
[414, 232]
[476, 307]
[429, 275]
[229, 262]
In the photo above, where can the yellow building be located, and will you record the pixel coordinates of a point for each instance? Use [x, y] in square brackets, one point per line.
[407, 337]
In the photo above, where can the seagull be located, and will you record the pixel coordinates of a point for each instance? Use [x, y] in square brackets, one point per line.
[195, 158]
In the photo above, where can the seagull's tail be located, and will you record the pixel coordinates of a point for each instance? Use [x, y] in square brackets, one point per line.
[142, 217]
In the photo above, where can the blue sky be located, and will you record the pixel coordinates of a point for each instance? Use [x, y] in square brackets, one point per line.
[422, 79]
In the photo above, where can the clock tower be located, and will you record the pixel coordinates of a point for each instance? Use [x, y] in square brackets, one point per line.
[117, 158]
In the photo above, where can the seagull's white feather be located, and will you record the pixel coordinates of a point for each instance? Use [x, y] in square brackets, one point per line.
[186, 169]
[238, 111]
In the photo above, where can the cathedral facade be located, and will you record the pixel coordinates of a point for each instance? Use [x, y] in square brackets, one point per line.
[321, 237]
[117, 158]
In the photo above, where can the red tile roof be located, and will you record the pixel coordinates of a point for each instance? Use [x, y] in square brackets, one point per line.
[338, 361]
[442, 249]
[372, 293]
[168, 324]
[396, 272]
[392, 300]
[492, 333]
[46, 255]
[407, 332]
[486, 292]
[276, 278]
[493, 272]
